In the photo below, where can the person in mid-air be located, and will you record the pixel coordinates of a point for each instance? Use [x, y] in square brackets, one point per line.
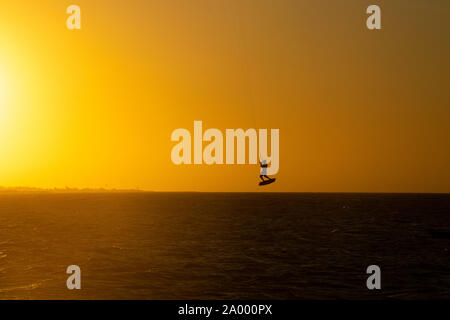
[263, 173]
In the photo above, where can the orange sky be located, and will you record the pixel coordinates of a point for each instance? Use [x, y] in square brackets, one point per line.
[358, 110]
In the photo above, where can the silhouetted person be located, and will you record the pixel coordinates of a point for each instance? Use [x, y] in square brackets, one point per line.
[263, 171]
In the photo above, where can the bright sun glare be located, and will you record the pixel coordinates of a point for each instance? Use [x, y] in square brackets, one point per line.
[3, 103]
[2, 96]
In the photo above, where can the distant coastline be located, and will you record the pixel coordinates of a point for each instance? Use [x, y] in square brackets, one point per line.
[8, 190]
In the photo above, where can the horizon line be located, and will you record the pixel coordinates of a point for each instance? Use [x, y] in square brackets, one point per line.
[135, 190]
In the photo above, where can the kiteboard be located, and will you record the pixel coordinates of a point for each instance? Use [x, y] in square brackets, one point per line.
[263, 183]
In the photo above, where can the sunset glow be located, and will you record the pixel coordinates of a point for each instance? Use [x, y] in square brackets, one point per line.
[357, 110]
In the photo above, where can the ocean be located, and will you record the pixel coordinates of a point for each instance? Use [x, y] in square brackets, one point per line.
[224, 245]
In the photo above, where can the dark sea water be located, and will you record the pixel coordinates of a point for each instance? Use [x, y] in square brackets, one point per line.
[224, 246]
